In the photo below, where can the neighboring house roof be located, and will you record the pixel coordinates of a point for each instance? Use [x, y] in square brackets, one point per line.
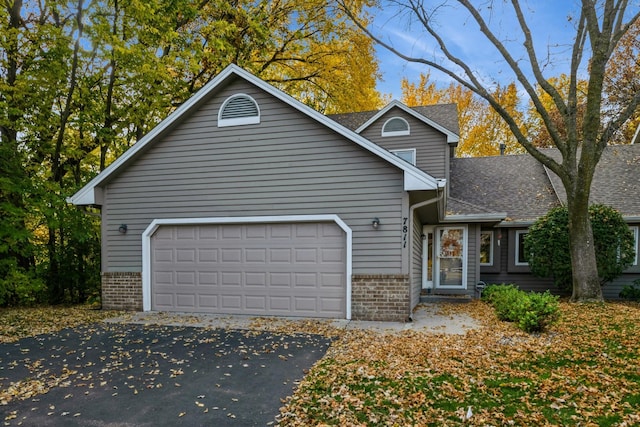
[442, 116]
[414, 178]
[616, 182]
[514, 184]
[525, 190]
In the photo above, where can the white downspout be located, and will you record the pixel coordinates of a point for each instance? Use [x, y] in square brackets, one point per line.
[412, 208]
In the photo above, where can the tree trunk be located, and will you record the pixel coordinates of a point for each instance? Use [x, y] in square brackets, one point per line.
[586, 283]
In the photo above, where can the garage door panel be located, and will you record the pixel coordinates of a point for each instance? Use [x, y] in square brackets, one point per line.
[163, 255]
[231, 255]
[305, 280]
[186, 278]
[259, 269]
[232, 279]
[163, 278]
[185, 233]
[280, 255]
[332, 280]
[305, 304]
[255, 303]
[186, 301]
[207, 278]
[331, 305]
[233, 232]
[328, 255]
[280, 280]
[207, 302]
[164, 301]
[254, 280]
[231, 302]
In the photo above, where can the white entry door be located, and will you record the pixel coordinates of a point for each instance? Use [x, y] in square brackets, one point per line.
[450, 270]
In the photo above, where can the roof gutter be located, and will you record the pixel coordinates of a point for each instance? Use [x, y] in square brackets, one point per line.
[493, 217]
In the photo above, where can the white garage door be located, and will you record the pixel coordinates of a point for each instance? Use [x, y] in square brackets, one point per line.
[292, 269]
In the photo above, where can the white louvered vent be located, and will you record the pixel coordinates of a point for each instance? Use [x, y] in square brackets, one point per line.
[395, 126]
[238, 110]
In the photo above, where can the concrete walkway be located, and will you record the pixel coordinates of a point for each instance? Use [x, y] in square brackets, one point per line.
[426, 318]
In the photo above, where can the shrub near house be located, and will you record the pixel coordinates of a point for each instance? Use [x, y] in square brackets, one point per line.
[531, 311]
[547, 245]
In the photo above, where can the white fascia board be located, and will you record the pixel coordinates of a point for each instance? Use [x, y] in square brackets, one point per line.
[451, 137]
[156, 223]
[492, 217]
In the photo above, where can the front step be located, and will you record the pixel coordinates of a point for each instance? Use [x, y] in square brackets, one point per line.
[429, 298]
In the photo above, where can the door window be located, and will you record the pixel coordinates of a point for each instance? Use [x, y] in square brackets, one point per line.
[451, 256]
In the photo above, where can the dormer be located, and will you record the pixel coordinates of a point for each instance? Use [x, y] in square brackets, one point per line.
[411, 133]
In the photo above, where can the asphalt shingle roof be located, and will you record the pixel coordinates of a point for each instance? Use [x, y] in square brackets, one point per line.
[525, 190]
[516, 184]
[616, 182]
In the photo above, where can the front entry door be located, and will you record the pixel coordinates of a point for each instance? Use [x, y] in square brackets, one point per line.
[451, 257]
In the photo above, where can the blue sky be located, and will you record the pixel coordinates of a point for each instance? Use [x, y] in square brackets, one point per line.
[549, 21]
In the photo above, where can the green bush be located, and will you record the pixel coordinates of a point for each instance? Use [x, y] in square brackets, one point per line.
[547, 245]
[19, 288]
[631, 292]
[531, 311]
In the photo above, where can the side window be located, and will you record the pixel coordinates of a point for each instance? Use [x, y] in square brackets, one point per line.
[486, 247]
[408, 155]
[521, 258]
[239, 109]
[395, 126]
[636, 232]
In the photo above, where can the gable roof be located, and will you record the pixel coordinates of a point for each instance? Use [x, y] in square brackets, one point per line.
[445, 115]
[448, 113]
[414, 178]
[525, 190]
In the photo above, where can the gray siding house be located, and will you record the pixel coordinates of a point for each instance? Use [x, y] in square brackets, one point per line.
[246, 201]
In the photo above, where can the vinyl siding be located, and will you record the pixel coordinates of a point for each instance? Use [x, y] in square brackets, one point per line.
[473, 257]
[286, 165]
[416, 261]
[430, 144]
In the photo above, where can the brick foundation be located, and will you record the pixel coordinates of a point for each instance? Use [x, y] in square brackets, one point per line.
[380, 297]
[122, 291]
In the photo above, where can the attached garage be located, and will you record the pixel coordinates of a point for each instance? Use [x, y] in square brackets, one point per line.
[274, 267]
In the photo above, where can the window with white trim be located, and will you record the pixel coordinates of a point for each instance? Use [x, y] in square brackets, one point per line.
[395, 126]
[408, 155]
[239, 109]
[521, 258]
[486, 247]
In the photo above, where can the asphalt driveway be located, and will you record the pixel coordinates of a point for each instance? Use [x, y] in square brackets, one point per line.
[137, 375]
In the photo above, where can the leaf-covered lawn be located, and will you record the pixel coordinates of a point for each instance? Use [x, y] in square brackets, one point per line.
[17, 323]
[584, 371]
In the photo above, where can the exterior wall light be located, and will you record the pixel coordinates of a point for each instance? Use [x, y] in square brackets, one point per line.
[123, 229]
[375, 223]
